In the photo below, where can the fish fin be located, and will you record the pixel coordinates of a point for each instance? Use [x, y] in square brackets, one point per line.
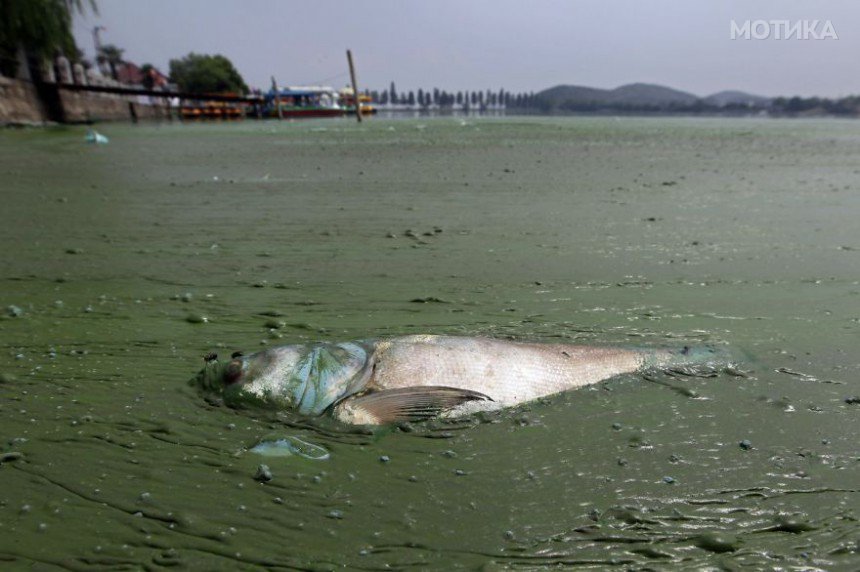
[407, 404]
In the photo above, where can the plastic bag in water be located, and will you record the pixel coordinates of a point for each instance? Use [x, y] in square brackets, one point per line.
[94, 137]
[289, 446]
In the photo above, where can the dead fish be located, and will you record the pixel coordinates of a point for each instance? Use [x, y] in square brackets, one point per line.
[414, 378]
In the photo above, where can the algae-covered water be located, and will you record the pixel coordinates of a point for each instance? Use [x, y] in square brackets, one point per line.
[123, 264]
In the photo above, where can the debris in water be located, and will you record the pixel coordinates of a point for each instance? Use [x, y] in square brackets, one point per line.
[429, 300]
[289, 446]
[96, 138]
[717, 543]
[11, 457]
[790, 524]
[263, 474]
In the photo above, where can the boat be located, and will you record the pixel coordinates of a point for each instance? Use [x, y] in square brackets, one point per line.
[305, 101]
[347, 102]
[203, 109]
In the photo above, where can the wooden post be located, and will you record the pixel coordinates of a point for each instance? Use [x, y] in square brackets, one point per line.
[277, 98]
[354, 86]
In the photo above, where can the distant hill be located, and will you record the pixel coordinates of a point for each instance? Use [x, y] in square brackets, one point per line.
[650, 94]
[725, 98]
[577, 93]
[637, 96]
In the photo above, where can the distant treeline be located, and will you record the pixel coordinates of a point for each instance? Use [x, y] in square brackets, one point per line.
[816, 106]
[440, 98]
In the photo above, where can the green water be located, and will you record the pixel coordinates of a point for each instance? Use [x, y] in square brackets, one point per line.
[130, 261]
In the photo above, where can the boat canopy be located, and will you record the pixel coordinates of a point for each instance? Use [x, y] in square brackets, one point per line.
[301, 92]
[294, 93]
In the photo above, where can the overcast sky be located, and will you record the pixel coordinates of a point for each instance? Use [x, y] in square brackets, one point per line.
[521, 45]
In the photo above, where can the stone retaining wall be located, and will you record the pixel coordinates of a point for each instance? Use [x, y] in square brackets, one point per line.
[81, 106]
[20, 104]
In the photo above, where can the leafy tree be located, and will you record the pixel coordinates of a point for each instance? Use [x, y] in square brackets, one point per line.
[111, 56]
[42, 28]
[392, 93]
[411, 98]
[147, 70]
[200, 73]
[420, 96]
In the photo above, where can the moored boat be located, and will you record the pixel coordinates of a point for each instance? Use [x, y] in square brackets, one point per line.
[311, 101]
[347, 102]
[211, 110]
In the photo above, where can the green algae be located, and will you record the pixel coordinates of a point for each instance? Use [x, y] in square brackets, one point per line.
[554, 229]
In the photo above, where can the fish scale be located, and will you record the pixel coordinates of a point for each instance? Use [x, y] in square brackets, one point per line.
[508, 372]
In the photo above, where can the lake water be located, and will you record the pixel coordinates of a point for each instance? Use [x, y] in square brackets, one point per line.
[123, 264]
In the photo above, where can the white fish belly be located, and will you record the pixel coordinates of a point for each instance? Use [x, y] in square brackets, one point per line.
[508, 372]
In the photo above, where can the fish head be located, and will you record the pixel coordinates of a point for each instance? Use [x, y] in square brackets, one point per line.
[262, 378]
[303, 377]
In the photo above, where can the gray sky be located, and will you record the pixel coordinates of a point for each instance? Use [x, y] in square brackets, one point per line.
[521, 45]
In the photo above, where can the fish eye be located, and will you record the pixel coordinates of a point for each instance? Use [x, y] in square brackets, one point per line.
[233, 372]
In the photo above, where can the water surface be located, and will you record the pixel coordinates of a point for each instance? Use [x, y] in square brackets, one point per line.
[127, 263]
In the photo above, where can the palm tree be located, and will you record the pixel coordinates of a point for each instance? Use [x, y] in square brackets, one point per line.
[41, 28]
[112, 56]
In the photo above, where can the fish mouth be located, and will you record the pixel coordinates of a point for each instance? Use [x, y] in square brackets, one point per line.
[219, 377]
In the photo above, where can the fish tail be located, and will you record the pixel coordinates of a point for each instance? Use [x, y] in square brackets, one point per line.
[701, 356]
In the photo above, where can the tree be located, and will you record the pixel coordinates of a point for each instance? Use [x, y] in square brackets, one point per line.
[148, 71]
[41, 28]
[420, 96]
[411, 99]
[200, 73]
[392, 93]
[111, 56]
